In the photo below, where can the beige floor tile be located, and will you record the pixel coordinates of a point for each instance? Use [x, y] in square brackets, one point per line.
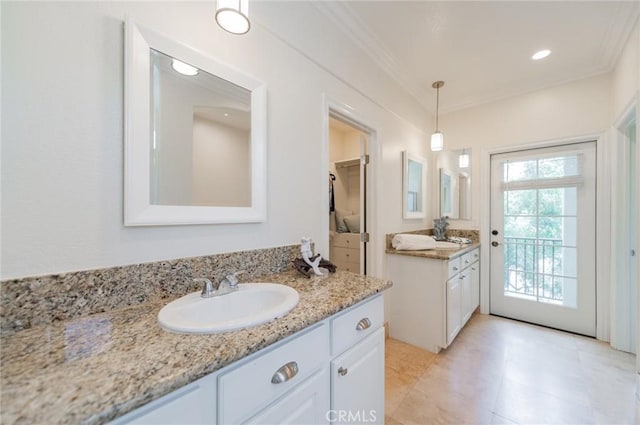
[531, 405]
[500, 371]
[397, 386]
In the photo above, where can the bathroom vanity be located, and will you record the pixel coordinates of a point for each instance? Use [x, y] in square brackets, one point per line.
[322, 359]
[435, 293]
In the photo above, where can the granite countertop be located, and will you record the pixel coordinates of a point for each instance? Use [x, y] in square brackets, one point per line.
[93, 369]
[438, 254]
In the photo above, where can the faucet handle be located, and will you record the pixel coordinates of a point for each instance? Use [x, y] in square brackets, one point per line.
[233, 278]
[207, 289]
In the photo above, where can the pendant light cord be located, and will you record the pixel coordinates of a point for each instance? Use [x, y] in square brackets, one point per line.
[437, 106]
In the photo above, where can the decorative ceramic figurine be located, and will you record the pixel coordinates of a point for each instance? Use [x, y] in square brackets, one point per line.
[440, 228]
[305, 249]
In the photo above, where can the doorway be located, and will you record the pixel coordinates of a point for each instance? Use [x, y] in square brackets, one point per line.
[348, 212]
[543, 244]
[624, 241]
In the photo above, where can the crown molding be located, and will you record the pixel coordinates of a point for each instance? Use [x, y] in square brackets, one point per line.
[343, 16]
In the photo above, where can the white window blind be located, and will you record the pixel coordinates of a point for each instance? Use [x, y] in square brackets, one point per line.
[564, 170]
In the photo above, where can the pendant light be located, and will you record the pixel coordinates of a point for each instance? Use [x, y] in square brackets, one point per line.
[233, 16]
[463, 159]
[437, 139]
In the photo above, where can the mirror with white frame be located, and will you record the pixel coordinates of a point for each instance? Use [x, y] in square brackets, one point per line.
[195, 139]
[455, 184]
[413, 186]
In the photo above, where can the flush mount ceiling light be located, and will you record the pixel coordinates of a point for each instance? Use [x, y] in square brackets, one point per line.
[233, 16]
[437, 139]
[541, 54]
[183, 68]
[463, 159]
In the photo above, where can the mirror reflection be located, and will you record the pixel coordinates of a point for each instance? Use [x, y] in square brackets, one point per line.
[455, 184]
[413, 186]
[201, 148]
[195, 136]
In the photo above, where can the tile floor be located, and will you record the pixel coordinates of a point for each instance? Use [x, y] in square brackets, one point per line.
[500, 371]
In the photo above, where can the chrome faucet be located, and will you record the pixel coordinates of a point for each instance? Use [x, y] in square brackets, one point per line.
[225, 286]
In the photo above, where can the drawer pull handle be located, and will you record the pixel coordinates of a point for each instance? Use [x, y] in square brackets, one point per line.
[363, 324]
[343, 371]
[285, 373]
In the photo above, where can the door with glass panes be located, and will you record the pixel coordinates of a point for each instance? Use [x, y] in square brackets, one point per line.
[543, 204]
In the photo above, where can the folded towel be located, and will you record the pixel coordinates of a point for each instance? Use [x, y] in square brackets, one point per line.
[408, 242]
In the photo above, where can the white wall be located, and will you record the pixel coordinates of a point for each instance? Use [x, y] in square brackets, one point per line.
[221, 164]
[625, 82]
[574, 109]
[62, 132]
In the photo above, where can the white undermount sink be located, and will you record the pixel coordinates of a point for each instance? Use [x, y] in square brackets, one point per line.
[251, 305]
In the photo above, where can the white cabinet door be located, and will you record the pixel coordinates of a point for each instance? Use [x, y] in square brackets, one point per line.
[357, 383]
[454, 308]
[474, 271]
[308, 403]
[467, 297]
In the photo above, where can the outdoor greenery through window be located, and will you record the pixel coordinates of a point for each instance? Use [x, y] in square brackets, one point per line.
[540, 199]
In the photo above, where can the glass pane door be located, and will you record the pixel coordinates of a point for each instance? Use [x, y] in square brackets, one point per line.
[543, 237]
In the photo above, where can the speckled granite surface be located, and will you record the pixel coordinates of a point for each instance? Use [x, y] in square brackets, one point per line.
[44, 300]
[92, 369]
[439, 254]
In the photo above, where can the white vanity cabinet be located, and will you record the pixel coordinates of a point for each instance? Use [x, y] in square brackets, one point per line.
[357, 369]
[332, 371]
[432, 299]
[247, 388]
[191, 404]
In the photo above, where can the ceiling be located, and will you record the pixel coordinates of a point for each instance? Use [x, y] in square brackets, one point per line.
[482, 49]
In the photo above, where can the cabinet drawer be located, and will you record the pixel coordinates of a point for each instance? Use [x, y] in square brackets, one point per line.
[346, 240]
[355, 324]
[348, 267]
[244, 391]
[475, 255]
[465, 261]
[453, 267]
[345, 255]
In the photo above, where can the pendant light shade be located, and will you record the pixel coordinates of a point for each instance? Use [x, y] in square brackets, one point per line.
[233, 16]
[463, 159]
[437, 138]
[437, 141]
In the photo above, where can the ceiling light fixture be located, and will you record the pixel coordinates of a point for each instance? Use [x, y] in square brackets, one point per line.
[463, 159]
[233, 16]
[437, 139]
[183, 68]
[541, 54]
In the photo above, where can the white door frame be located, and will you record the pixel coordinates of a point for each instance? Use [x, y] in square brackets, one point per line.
[620, 292]
[331, 106]
[603, 214]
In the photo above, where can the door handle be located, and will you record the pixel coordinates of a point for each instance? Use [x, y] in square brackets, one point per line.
[494, 243]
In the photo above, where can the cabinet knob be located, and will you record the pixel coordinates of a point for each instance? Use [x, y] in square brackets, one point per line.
[343, 371]
[363, 324]
[285, 373]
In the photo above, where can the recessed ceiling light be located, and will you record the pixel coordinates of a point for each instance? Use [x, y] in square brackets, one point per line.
[183, 68]
[541, 54]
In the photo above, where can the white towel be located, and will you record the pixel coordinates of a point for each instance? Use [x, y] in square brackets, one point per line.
[408, 242]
